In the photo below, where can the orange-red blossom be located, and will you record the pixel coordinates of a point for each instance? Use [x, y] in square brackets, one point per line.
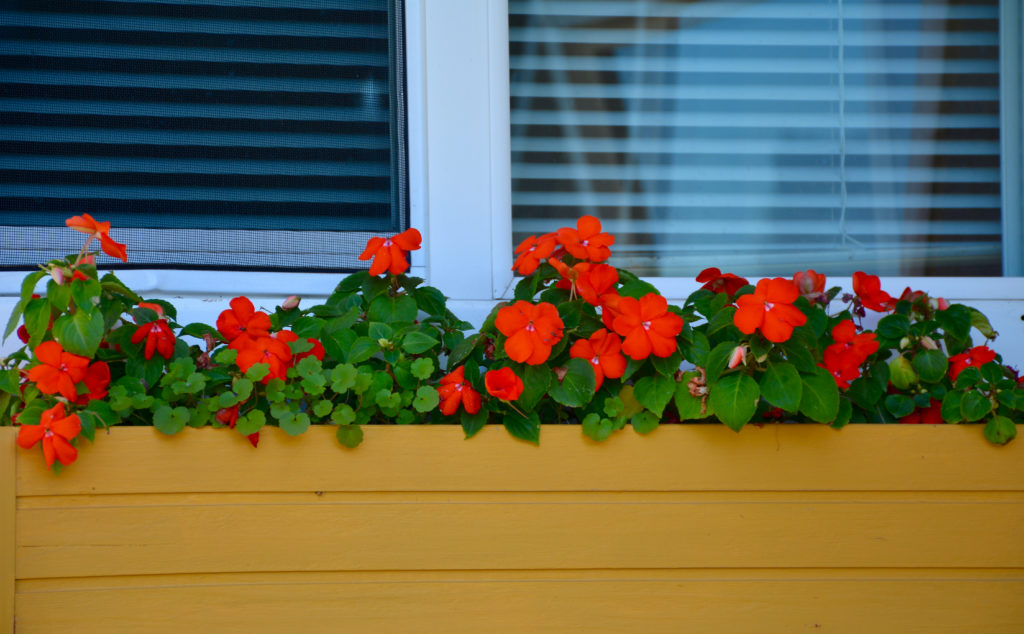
[587, 280]
[389, 253]
[647, 325]
[88, 225]
[503, 384]
[586, 241]
[770, 309]
[242, 319]
[455, 390]
[58, 371]
[603, 351]
[850, 350]
[56, 431]
[532, 251]
[531, 330]
[869, 289]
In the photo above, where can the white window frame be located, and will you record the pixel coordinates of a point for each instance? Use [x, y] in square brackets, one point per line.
[460, 185]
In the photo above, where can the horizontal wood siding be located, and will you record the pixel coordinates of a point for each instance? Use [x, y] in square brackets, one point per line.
[693, 528]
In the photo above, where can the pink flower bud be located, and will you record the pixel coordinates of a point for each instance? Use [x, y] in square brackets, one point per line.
[57, 273]
[739, 356]
[291, 303]
[938, 303]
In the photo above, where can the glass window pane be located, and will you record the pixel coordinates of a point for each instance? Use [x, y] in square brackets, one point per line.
[762, 137]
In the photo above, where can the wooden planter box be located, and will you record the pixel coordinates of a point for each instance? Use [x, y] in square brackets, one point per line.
[694, 528]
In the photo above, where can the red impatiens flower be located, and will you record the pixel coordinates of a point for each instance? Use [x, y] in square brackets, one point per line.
[531, 330]
[274, 352]
[850, 350]
[243, 319]
[586, 241]
[97, 380]
[716, 281]
[931, 415]
[770, 309]
[229, 416]
[648, 326]
[455, 389]
[811, 285]
[86, 224]
[973, 358]
[58, 371]
[869, 289]
[159, 337]
[532, 251]
[585, 279]
[603, 350]
[389, 253]
[503, 384]
[56, 431]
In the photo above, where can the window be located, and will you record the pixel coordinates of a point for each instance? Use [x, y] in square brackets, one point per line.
[764, 136]
[243, 134]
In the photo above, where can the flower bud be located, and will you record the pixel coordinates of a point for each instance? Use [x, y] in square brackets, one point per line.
[904, 343]
[938, 303]
[58, 275]
[739, 356]
[929, 344]
[291, 303]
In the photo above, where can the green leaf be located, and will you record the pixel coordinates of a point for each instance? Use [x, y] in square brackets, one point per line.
[893, 327]
[597, 428]
[645, 422]
[901, 373]
[80, 333]
[817, 321]
[295, 425]
[654, 392]
[28, 285]
[251, 422]
[955, 320]
[430, 300]
[9, 382]
[362, 349]
[426, 399]
[198, 330]
[37, 320]
[718, 360]
[992, 372]
[536, 381]
[170, 421]
[721, 320]
[59, 295]
[899, 405]
[576, 387]
[473, 423]
[422, 368]
[931, 365]
[343, 414]
[257, 371]
[523, 428]
[668, 366]
[390, 309]
[781, 386]
[688, 406]
[844, 415]
[974, 406]
[981, 323]
[733, 399]
[461, 351]
[820, 399]
[349, 435]
[322, 408]
[697, 350]
[801, 357]
[343, 377]
[86, 294]
[526, 288]
[1000, 430]
[967, 378]
[417, 342]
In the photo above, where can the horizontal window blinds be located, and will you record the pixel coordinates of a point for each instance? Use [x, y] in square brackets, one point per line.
[764, 136]
[263, 134]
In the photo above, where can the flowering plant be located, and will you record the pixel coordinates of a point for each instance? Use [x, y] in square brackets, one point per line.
[581, 342]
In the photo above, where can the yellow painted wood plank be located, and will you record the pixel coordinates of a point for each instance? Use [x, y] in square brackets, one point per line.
[7, 527]
[436, 458]
[596, 603]
[389, 535]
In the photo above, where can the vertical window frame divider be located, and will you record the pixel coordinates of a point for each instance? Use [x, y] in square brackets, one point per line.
[1011, 131]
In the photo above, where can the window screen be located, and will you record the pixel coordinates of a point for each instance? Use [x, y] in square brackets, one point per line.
[265, 134]
[762, 136]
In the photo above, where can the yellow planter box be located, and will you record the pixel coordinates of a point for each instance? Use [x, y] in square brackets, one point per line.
[893, 528]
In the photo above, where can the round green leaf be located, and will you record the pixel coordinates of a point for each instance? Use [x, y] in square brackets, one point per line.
[349, 435]
[295, 425]
[1000, 430]
[974, 406]
[931, 365]
[899, 405]
[426, 399]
